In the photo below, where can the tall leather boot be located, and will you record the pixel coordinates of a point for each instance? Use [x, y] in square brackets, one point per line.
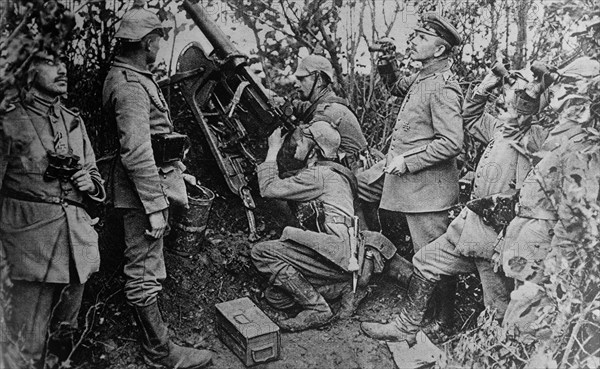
[405, 326]
[316, 310]
[158, 351]
[441, 327]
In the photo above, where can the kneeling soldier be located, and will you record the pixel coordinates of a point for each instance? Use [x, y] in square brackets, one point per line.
[303, 260]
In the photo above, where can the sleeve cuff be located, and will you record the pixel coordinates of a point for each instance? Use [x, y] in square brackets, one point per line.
[99, 194]
[156, 204]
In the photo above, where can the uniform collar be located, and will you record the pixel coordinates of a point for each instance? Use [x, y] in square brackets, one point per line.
[436, 66]
[45, 106]
[122, 64]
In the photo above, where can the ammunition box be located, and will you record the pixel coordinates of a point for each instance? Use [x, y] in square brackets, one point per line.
[247, 331]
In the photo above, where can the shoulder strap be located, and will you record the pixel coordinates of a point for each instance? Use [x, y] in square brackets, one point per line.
[342, 170]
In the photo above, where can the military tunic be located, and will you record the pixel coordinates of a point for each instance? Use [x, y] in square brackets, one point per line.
[42, 239]
[50, 243]
[135, 106]
[320, 257]
[536, 233]
[529, 236]
[468, 244]
[328, 109]
[429, 135]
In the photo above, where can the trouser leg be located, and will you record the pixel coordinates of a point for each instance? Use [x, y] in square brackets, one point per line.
[144, 260]
[440, 258]
[278, 258]
[440, 261]
[31, 305]
[395, 227]
[426, 227]
[496, 288]
[145, 270]
[298, 270]
[63, 325]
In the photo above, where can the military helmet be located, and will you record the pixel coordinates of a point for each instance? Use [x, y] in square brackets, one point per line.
[137, 23]
[314, 63]
[327, 138]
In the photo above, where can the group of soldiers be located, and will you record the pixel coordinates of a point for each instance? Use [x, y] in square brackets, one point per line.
[48, 176]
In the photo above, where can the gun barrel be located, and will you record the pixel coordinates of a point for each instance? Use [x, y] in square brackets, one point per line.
[223, 47]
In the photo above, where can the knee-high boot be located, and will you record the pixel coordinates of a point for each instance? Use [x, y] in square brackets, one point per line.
[404, 326]
[441, 326]
[158, 351]
[316, 312]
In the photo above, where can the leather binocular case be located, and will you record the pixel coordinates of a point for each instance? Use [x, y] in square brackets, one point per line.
[169, 147]
[61, 166]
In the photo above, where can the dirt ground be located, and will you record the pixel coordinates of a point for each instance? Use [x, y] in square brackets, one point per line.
[222, 271]
[219, 271]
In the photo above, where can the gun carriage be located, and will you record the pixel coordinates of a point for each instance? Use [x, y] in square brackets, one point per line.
[229, 106]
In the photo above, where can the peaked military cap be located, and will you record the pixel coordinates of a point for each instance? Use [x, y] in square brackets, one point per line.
[436, 25]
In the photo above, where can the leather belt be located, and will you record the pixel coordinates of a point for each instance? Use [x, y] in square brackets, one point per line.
[17, 195]
[338, 219]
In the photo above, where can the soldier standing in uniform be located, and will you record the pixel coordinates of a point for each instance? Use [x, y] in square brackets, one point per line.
[47, 170]
[145, 187]
[318, 102]
[302, 261]
[419, 177]
[468, 244]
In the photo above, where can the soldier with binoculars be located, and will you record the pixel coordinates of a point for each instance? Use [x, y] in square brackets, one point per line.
[47, 172]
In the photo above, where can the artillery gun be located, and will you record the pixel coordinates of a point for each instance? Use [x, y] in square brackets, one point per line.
[229, 106]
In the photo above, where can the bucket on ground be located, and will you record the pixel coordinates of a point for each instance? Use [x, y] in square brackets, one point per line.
[188, 226]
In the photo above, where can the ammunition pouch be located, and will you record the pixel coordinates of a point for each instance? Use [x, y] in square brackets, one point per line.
[497, 210]
[169, 147]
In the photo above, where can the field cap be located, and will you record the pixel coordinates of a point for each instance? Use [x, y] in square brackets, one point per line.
[436, 25]
[314, 63]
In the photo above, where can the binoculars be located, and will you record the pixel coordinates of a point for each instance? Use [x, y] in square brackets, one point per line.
[500, 71]
[61, 166]
[383, 47]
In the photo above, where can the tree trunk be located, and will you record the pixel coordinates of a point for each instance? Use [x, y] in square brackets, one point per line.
[520, 55]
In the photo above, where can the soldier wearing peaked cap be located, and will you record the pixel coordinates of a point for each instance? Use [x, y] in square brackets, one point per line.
[146, 183]
[47, 171]
[418, 178]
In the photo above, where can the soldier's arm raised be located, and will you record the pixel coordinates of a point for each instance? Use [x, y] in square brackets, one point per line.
[478, 123]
